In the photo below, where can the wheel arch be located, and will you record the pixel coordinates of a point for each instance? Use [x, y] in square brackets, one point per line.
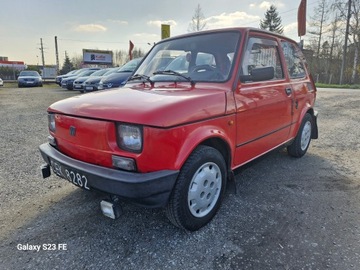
[310, 110]
[206, 136]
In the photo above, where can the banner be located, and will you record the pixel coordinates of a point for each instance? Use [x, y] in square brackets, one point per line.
[302, 18]
[97, 57]
[131, 47]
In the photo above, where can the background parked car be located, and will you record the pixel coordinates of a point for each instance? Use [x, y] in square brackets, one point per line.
[1, 82]
[78, 83]
[29, 78]
[68, 82]
[119, 78]
[92, 83]
[70, 73]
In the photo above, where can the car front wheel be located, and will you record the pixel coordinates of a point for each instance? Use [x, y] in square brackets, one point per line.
[199, 189]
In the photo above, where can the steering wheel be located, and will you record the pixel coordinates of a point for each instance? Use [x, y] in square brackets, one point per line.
[202, 67]
[213, 73]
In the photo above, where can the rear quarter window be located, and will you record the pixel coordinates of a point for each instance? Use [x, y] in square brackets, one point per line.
[294, 60]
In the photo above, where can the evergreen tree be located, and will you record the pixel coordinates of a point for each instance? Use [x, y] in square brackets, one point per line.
[67, 66]
[272, 21]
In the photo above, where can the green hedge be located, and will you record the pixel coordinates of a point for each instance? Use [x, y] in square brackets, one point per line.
[346, 86]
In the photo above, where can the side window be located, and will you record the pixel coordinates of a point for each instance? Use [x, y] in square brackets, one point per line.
[293, 58]
[260, 53]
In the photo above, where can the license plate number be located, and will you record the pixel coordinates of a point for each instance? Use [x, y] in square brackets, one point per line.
[74, 177]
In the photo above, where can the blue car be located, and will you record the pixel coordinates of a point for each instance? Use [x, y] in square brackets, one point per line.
[119, 78]
[69, 81]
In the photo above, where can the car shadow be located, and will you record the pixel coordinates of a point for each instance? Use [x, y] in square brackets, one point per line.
[280, 202]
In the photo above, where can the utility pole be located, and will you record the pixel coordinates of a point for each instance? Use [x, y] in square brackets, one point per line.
[57, 56]
[346, 42]
[42, 53]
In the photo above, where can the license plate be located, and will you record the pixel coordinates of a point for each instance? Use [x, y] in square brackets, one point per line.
[74, 177]
[88, 88]
[77, 86]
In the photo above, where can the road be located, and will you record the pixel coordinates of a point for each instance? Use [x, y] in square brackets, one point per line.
[286, 213]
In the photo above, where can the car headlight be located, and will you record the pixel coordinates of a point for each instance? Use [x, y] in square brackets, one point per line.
[52, 124]
[129, 137]
[100, 86]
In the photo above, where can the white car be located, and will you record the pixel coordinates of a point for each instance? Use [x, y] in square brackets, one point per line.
[1, 82]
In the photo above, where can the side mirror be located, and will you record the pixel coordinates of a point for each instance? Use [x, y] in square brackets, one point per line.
[259, 74]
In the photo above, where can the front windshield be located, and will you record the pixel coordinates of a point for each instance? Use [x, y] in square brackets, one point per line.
[29, 73]
[202, 57]
[130, 66]
[99, 72]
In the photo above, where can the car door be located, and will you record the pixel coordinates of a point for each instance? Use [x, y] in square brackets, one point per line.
[263, 105]
[301, 84]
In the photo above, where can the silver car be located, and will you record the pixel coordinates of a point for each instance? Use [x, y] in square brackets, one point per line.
[29, 78]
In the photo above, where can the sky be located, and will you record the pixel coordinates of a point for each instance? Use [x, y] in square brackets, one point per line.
[110, 24]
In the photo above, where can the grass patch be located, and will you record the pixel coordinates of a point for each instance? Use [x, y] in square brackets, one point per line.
[343, 86]
[15, 85]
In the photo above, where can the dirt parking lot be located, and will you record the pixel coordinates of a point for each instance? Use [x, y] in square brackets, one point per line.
[286, 214]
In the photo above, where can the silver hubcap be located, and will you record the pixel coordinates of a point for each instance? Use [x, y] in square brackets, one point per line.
[204, 189]
[306, 135]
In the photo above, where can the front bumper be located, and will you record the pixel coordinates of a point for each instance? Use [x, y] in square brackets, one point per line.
[146, 189]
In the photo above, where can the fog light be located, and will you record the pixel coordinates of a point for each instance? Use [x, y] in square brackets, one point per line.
[124, 163]
[111, 210]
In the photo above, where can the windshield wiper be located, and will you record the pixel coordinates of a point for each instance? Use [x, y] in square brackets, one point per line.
[172, 72]
[140, 77]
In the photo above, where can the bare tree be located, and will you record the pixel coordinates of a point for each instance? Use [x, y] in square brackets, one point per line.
[198, 21]
[318, 22]
[354, 33]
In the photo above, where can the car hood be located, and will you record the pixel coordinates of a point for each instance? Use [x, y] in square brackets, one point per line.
[116, 77]
[29, 77]
[82, 79]
[94, 79]
[70, 78]
[161, 107]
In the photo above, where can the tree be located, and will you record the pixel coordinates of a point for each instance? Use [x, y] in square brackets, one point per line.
[198, 21]
[321, 15]
[67, 66]
[354, 34]
[272, 21]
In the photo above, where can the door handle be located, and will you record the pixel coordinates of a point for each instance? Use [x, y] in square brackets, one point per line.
[288, 91]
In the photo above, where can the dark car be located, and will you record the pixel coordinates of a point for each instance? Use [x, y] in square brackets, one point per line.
[68, 82]
[29, 78]
[92, 83]
[78, 83]
[119, 78]
[59, 78]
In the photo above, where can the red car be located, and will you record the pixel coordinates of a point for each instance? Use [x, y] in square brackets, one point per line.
[172, 138]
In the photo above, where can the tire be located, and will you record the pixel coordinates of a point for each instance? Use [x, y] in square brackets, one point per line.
[199, 189]
[302, 140]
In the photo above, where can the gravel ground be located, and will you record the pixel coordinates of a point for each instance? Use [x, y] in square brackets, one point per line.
[286, 214]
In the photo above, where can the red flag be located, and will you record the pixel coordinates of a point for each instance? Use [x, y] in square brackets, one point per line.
[131, 47]
[302, 18]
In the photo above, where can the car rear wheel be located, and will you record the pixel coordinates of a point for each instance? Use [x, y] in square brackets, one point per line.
[199, 189]
[302, 140]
